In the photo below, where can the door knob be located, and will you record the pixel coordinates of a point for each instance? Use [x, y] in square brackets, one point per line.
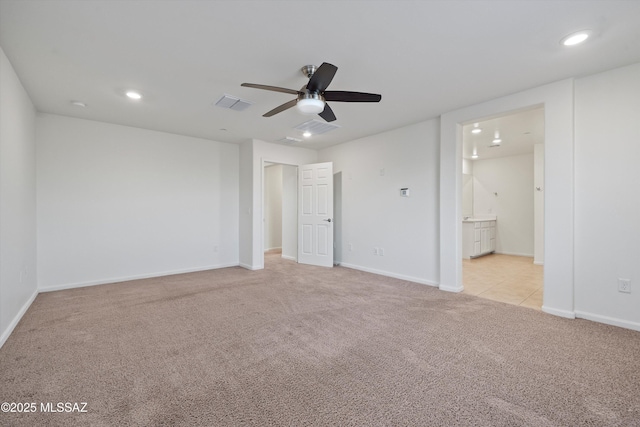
[328, 220]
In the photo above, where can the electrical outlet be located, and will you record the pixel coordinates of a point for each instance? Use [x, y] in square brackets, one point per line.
[350, 247]
[375, 251]
[381, 251]
[624, 285]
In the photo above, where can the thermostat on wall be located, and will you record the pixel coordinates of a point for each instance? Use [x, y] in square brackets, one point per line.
[404, 192]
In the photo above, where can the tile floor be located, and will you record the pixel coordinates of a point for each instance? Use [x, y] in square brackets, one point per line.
[505, 278]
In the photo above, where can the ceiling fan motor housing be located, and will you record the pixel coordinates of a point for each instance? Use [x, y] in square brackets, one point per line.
[310, 102]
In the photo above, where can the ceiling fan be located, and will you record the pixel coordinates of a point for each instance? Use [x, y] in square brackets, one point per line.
[311, 99]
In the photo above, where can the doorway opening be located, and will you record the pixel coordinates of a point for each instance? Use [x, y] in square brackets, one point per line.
[503, 207]
[280, 211]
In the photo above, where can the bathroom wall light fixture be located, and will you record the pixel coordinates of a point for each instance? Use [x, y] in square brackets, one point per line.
[497, 139]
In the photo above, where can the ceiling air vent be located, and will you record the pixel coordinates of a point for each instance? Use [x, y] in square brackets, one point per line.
[289, 140]
[233, 103]
[316, 127]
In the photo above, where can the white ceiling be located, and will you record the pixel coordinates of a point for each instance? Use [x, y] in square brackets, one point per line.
[518, 133]
[424, 57]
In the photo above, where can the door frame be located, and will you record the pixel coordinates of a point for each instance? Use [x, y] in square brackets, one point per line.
[264, 162]
[535, 204]
[557, 99]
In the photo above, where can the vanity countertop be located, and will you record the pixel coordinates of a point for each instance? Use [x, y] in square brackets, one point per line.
[479, 218]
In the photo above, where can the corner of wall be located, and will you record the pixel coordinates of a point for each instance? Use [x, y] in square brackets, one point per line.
[6, 332]
[18, 270]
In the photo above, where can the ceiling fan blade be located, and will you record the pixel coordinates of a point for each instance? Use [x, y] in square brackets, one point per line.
[322, 77]
[271, 88]
[327, 113]
[346, 96]
[281, 108]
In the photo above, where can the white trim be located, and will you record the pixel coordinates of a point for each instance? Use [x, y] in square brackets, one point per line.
[251, 267]
[272, 249]
[292, 258]
[456, 289]
[538, 263]
[608, 320]
[557, 312]
[389, 274]
[7, 332]
[514, 254]
[135, 277]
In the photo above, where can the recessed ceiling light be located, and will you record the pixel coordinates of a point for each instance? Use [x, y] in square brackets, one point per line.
[476, 129]
[475, 156]
[306, 134]
[79, 104]
[575, 38]
[133, 94]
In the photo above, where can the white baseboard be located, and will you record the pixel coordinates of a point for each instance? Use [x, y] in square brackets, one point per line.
[538, 263]
[134, 277]
[273, 249]
[608, 320]
[7, 332]
[389, 274]
[456, 289]
[514, 254]
[292, 258]
[557, 312]
[251, 267]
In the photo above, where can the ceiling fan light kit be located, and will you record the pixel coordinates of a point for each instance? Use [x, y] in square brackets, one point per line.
[311, 99]
[310, 104]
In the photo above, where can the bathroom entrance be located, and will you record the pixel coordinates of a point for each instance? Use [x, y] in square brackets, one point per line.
[503, 207]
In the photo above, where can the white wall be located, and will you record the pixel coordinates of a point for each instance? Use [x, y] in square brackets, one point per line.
[538, 204]
[467, 188]
[273, 207]
[18, 280]
[289, 212]
[117, 203]
[373, 213]
[338, 221]
[512, 179]
[246, 209]
[607, 201]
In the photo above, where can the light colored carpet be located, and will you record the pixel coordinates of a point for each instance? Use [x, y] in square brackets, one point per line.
[297, 345]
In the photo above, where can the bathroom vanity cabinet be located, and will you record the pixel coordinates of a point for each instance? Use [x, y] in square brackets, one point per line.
[478, 237]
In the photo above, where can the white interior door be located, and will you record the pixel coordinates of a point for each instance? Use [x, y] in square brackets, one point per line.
[315, 214]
